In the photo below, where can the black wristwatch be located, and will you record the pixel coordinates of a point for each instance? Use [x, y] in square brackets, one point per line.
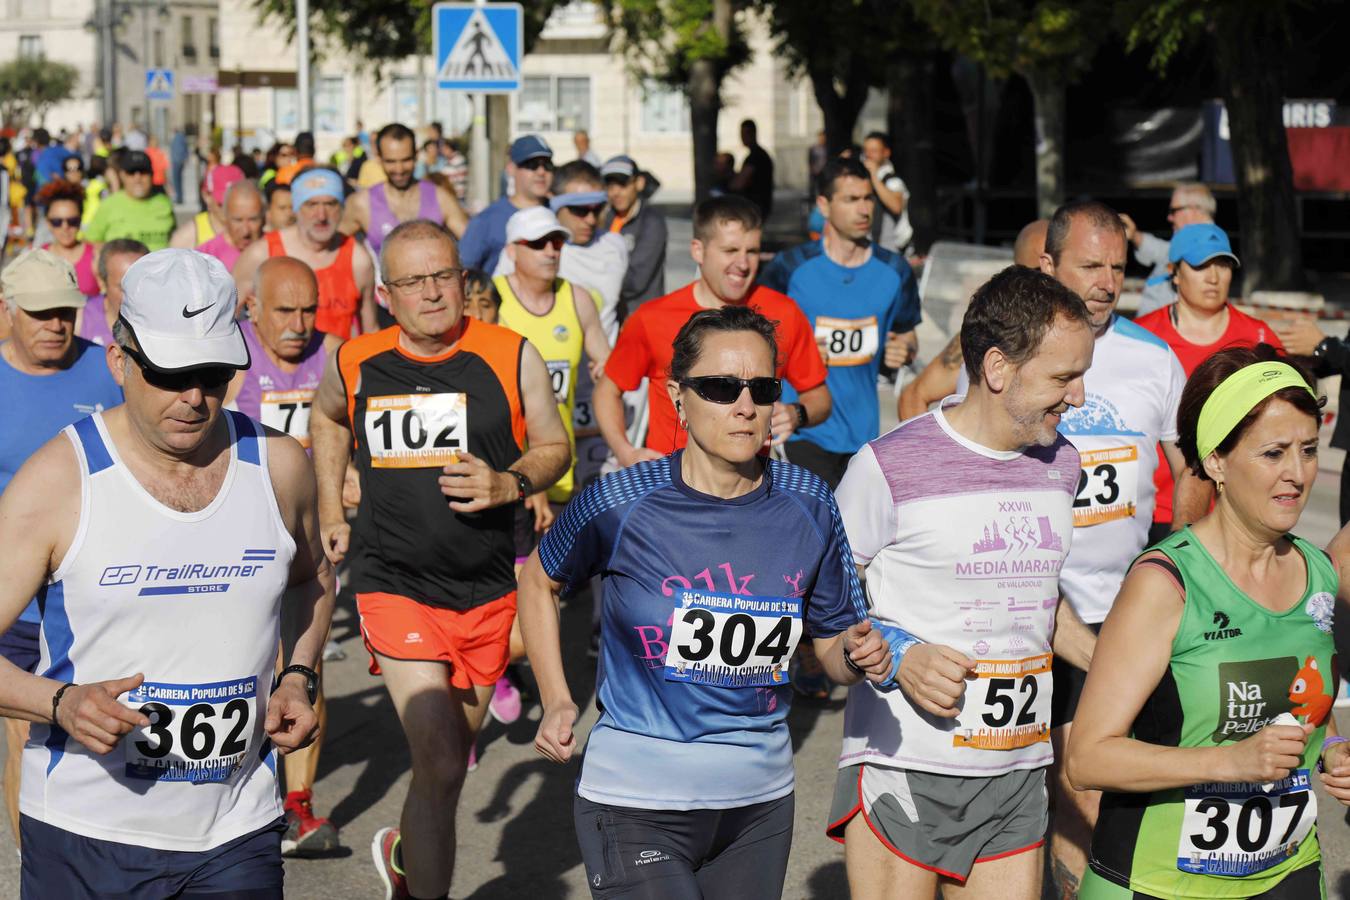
[523, 484]
[802, 421]
[311, 680]
[1322, 346]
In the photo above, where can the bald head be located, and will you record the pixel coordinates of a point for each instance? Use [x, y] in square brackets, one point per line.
[1030, 244]
[283, 306]
[243, 213]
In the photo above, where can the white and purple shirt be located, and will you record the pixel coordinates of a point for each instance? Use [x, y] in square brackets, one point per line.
[278, 398]
[963, 547]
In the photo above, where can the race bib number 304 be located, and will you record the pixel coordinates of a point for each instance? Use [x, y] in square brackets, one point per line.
[1007, 705]
[198, 732]
[733, 640]
[1240, 829]
[416, 431]
[1108, 486]
[847, 342]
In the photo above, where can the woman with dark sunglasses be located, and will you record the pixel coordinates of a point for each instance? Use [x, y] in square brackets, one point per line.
[63, 201]
[715, 563]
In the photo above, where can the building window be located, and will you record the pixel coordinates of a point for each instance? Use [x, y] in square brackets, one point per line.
[30, 46]
[158, 49]
[554, 103]
[330, 116]
[285, 110]
[213, 36]
[189, 42]
[33, 9]
[404, 95]
[452, 109]
[665, 110]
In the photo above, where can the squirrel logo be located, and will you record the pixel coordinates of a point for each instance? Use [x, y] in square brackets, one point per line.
[1308, 692]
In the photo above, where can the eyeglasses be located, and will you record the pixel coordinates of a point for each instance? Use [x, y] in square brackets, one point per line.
[209, 377]
[445, 278]
[538, 162]
[555, 241]
[582, 212]
[726, 389]
[69, 222]
[1173, 210]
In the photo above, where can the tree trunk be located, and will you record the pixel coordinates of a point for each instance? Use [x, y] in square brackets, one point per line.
[910, 118]
[839, 112]
[1047, 91]
[705, 103]
[1251, 71]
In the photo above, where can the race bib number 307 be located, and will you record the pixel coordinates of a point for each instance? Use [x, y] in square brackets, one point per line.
[198, 732]
[733, 640]
[1108, 486]
[1240, 829]
[416, 431]
[1007, 705]
[847, 342]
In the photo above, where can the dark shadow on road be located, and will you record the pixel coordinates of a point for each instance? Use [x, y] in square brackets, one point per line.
[829, 882]
[806, 712]
[364, 726]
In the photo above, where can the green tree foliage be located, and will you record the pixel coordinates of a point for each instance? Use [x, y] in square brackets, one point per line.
[30, 87]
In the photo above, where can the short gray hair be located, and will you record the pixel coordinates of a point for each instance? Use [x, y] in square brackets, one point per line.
[121, 334]
[413, 230]
[1198, 194]
[119, 247]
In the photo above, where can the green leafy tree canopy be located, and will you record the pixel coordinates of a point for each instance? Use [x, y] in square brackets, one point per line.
[30, 87]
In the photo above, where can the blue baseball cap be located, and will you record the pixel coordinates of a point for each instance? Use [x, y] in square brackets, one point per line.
[1200, 243]
[530, 146]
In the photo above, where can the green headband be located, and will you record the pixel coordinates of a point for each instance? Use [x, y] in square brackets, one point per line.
[1237, 395]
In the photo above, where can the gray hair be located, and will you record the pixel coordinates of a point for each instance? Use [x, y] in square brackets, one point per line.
[413, 230]
[1199, 195]
[121, 334]
[247, 187]
[118, 247]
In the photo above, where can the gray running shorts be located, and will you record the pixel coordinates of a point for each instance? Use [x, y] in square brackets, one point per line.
[944, 823]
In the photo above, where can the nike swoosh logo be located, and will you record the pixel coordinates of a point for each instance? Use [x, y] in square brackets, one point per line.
[195, 312]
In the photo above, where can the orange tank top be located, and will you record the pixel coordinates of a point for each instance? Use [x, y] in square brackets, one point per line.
[339, 295]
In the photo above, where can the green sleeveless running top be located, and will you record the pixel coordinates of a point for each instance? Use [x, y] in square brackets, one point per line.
[1235, 666]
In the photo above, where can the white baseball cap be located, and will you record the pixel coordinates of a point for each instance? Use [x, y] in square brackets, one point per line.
[179, 306]
[532, 223]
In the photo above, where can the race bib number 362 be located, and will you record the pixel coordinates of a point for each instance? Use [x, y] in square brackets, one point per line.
[1108, 486]
[733, 640]
[198, 732]
[1007, 705]
[1241, 829]
[416, 431]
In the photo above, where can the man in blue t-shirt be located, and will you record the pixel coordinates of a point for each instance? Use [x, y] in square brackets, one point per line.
[49, 378]
[531, 171]
[863, 302]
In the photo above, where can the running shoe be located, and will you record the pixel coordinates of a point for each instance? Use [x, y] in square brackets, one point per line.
[332, 651]
[473, 756]
[384, 850]
[505, 702]
[306, 834]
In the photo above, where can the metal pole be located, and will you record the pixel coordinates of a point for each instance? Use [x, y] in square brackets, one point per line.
[107, 22]
[480, 187]
[302, 65]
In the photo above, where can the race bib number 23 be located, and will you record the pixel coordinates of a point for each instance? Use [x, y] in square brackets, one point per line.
[1108, 486]
[733, 640]
[416, 431]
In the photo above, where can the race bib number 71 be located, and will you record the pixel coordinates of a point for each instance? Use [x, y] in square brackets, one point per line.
[733, 640]
[416, 431]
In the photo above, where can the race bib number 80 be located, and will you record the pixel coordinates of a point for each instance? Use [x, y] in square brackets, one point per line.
[733, 640]
[416, 431]
[1240, 829]
[198, 732]
[1007, 705]
[847, 342]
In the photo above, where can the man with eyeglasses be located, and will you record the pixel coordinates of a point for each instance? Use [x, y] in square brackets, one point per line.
[438, 412]
[342, 264]
[530, 169]
[643, 229]
[48, 379]
[166, 538]
[1191, 204]
[135, 211]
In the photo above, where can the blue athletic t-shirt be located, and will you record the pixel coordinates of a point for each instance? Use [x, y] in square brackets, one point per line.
[852, 309]
[678, 568]
[34, 409]
[485, 236]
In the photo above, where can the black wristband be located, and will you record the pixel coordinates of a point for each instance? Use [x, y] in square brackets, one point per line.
[853, 666]
[56, 698]
[802, 420]
[523, 484]
[311, 680]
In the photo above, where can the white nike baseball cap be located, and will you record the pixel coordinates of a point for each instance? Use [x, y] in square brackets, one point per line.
[534, 222]
[179, 306]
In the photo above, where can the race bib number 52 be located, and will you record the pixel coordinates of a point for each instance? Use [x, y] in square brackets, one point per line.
[733, 640]
[416, 431]
[1007, 705]
[1240, 829]
[198, 732]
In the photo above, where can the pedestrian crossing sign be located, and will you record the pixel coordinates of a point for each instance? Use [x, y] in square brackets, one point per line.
[159, 84]
[478, 46]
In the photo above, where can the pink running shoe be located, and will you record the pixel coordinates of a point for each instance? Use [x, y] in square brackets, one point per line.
[505, 702]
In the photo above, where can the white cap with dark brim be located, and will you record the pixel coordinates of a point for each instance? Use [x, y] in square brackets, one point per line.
[179, 306]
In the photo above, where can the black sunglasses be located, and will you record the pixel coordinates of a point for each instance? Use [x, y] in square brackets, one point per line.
[537, 163]
[582, 212]
[554, 240]
[210, 377]
[727, 389]
[1173, 210]
[72, 221]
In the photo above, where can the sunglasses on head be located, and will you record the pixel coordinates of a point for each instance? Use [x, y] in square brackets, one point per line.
[727, 389]
[69, 222]
[209, 378]
[549, 240]
[537, 163]
[582, 212]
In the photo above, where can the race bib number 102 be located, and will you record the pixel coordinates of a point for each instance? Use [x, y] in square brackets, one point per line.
[198, 732]
[733, 640]
[416, 431]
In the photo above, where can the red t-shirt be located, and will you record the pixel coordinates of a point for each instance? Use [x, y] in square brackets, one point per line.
[646, 345]
[1243, 331]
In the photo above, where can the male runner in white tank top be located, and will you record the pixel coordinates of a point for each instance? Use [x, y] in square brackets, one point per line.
[164, 539]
